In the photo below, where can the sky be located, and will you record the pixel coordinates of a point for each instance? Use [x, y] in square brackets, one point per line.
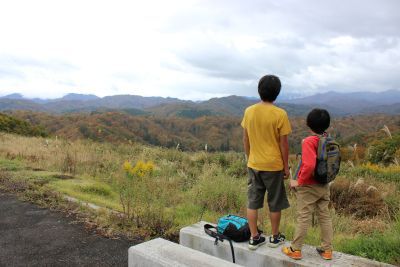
[197, 49]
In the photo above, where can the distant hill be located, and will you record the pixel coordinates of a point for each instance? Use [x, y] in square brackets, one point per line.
[133, 101]
[86, 103]
[235, 106]
[129, 111]
[339, 104]
[223, 106]
[20, 104]
[351, 103]
[13, 96]
[218, 132]
[79, 97]
[392, 109]
[185, 110]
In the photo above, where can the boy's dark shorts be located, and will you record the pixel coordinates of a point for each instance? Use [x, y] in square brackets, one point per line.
[271, 181]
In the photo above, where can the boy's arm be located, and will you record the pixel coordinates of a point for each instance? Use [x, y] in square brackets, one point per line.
[284, 146]
[246, 143]
[308, 161]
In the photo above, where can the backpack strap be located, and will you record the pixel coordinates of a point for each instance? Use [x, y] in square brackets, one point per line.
[322, 149]
[218, 237]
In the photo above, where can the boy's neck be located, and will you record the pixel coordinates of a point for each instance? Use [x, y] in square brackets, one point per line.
[314, 133]
[267, 102]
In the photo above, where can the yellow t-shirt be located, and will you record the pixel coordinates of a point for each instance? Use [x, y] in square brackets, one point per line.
[265, 123]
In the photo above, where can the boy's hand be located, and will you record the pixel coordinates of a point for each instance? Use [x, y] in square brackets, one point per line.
[287, 173]
[293, 183]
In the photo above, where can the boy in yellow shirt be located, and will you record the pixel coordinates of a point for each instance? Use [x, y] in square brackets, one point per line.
[265, 131]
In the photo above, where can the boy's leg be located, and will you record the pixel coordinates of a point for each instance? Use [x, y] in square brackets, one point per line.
[306, 201]
[277, 201]
[255, 196]
[324, 219]
[275, 218]
[277, 198]
[252, 216]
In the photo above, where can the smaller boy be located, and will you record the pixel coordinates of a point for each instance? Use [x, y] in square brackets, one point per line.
[309, 193]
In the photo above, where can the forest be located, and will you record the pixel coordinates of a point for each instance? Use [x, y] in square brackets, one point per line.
[220, 133]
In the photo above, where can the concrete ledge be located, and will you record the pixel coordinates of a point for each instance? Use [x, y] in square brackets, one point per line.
[194, 237]
[160, 252]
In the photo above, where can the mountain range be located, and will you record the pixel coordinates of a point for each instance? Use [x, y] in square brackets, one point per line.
[339, 104]
[355, 102]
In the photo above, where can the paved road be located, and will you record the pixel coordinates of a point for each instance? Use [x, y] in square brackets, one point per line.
[33, 236]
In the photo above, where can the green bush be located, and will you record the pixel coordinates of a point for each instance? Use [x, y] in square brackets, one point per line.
[10, 124]
[238, 168]
[388, 174]
[393, 203]
[96, 189]
[381, 247]
[10, 165]
[221, 193]
[384, 151]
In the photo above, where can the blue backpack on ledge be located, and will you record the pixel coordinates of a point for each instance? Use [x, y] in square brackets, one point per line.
[234, 227]
[229, 227]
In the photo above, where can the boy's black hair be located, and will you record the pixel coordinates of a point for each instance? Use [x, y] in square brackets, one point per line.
[269, 88]
[318, 120]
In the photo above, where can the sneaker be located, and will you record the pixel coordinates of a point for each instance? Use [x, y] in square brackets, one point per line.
[294, 254]
[275, 241]
[254, 243]
[325, 254]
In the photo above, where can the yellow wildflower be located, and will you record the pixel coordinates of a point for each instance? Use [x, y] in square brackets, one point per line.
[127, 166]
[140, 169]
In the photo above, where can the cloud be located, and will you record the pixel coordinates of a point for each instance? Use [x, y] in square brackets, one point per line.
[7, 73]
[197, 49]
[313, 45]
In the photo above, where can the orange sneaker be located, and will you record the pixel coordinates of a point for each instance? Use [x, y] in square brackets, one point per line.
[325, 254]
[294, 254]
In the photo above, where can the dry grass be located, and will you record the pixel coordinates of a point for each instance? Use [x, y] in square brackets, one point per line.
[370, 226]
[358, 199]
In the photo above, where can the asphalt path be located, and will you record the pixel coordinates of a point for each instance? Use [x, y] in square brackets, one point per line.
[34, 236]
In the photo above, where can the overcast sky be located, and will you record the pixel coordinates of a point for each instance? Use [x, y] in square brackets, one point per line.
[197, 49]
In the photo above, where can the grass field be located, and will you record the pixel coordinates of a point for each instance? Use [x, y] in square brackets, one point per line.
[182, 188]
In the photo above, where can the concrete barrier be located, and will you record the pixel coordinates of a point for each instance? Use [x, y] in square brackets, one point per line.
[194, 237]
[160, 252]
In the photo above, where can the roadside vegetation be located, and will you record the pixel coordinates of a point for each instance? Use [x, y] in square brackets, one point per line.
[150, 191]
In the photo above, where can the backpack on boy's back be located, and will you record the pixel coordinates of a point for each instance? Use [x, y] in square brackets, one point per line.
[328, 160]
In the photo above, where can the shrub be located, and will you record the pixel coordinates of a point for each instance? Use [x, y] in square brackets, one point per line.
[132, 186]
[378, 246]
[383, 151]
[10, 124]
[238, 168]
[220, 193]
[357, 200]
[10, 165]
[96, 189]
[393, 203]
[156, 221]
[388, 173]
[69, 163]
